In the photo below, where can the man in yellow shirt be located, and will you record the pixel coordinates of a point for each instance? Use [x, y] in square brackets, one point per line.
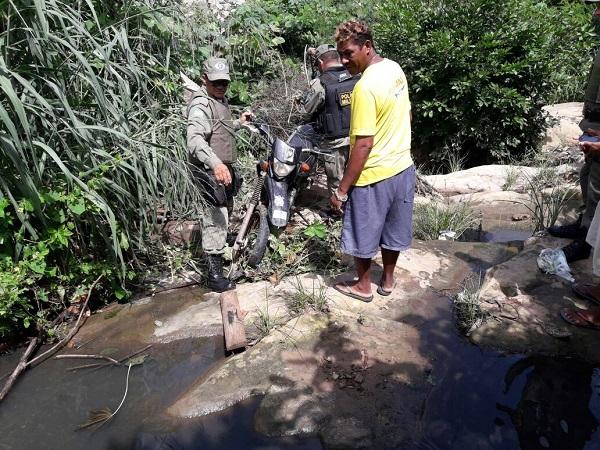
[379, 182]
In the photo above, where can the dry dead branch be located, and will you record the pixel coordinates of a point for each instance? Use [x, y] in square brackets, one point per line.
[24, 363]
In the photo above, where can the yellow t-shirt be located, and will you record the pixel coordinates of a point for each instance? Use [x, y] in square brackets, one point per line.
[381, 108]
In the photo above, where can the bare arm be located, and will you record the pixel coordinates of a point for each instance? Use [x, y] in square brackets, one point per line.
[358, 157]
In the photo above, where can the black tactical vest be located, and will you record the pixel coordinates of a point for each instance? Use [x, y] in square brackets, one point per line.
[334, 119]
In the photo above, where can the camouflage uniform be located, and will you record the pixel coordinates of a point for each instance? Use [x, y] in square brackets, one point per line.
[210, 142]
[589, 176]
[313, 102]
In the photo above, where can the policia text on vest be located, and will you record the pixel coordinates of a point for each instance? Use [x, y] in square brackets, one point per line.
[334, 119]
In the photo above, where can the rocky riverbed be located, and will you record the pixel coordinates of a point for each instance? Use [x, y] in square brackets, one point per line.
[394, 373]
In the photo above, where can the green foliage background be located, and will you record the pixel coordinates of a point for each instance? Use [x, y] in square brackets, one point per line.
[92, 136]
[481, 70]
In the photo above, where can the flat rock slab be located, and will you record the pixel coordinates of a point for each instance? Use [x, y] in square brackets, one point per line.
[523, 306]
[322, 370]
[139, 320]
[358, 375]
[488, 178]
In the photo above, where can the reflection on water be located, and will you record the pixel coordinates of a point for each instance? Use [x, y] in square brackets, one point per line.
[48, 403]
[511, 402]
[505, 235]
[553, 409]
[232, 429]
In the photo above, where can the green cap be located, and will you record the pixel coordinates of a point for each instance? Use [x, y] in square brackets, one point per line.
[216, 69]
[325, 48]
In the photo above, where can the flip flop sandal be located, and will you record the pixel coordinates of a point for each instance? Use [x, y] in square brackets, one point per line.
[385, 292]
[582, 289]
[564, 313]
[350, 293]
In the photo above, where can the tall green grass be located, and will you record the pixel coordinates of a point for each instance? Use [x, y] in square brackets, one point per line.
[95, 108]
[91, 141]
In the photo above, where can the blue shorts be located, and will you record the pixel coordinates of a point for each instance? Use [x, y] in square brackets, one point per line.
[379, 215]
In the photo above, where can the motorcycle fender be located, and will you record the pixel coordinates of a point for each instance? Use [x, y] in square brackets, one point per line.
[279, 202]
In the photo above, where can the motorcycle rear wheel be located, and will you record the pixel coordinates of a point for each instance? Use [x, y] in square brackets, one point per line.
[260, 226]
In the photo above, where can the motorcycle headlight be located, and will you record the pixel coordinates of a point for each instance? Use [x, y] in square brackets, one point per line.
[282, 169]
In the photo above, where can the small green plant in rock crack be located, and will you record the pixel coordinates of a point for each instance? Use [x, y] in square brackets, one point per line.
[512, 177]
[303, 298]
[454, 161]
[361, 319]
[547, 196]
[468, 311]
[265, 321]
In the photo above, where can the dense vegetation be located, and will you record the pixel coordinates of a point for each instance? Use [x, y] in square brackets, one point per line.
[481, 70]
[91, 135]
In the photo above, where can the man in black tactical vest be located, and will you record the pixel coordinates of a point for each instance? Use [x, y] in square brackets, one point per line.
[589, 176]
[211, 150]
[327, 104]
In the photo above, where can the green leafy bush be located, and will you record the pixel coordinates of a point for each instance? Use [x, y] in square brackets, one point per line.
[480, 71]
[91, 145]
[298, 23]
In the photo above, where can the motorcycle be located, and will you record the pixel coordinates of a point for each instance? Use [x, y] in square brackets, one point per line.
[280, 176]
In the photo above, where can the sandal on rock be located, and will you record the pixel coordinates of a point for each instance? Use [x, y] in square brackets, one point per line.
[382, 291]
[584, 291]
[346, 289]
[574, 317]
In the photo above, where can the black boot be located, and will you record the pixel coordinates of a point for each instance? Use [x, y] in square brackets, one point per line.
[216, 281]
[570, 231]
[576, 250]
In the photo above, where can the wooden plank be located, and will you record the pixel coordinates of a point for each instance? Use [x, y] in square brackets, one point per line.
[233, 322]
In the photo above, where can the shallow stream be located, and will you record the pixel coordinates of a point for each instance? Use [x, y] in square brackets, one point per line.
[480, 399]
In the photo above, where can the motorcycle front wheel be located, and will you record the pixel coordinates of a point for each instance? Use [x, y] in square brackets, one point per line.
[259, 227]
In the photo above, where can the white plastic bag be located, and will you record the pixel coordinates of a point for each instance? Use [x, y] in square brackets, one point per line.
[554, 262]
[447, 235]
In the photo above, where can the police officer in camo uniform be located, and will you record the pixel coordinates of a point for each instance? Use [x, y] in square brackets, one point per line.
[589, 176]
[211, 150]
[327, 103]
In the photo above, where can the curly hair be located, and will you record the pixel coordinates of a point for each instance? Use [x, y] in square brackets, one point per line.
[356, 30]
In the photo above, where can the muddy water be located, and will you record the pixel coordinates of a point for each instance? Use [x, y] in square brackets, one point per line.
[46, 406]
[482, 399]
[48, 403]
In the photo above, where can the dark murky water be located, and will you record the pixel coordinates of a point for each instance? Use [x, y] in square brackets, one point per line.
[505, 235]
[489, 401]
[480, 400]
[48, 403]
[231, 429]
